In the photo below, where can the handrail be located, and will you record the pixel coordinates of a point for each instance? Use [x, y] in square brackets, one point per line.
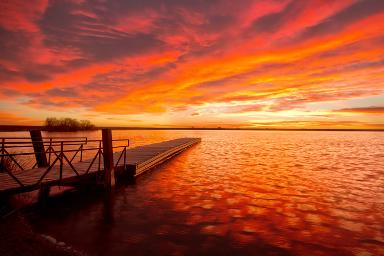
[45, 138]
[52, 143]
[59, 154]
[59, 144]
[64, 151]
[45, 141]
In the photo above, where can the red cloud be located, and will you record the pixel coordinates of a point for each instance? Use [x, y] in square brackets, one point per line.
[127, 58]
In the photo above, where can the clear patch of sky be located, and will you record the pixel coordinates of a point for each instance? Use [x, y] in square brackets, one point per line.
[372, 101]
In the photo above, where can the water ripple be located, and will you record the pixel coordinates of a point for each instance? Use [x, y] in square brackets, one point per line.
[244, 192]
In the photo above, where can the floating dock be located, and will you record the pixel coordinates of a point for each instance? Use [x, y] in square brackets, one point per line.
[130, 162]
[141, 159]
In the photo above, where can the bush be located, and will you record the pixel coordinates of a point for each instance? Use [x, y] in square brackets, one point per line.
[67, 124]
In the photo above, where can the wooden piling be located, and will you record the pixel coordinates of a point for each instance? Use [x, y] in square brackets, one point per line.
[109, 172]
[41, 160]
[38, 147]
[43, 194]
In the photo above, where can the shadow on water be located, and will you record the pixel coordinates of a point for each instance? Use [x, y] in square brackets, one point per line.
[117, 223]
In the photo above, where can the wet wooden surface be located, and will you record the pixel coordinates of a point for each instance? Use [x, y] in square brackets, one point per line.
[138, 160]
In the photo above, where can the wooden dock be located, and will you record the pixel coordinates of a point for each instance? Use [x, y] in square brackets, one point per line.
[141, 159]
[126, 163]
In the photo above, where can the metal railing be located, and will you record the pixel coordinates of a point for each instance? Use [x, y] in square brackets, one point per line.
[56, 151]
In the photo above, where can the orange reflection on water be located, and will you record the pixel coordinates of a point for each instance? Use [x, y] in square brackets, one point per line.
[244, 192]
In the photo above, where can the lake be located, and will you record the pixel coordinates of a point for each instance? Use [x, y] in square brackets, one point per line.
[237, 192]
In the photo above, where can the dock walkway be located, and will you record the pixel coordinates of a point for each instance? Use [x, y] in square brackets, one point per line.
[131, 162]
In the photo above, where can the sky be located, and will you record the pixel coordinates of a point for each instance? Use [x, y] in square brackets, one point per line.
[194, 63]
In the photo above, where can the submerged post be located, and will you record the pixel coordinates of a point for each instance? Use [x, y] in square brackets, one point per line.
[109, 172]
[38, 147]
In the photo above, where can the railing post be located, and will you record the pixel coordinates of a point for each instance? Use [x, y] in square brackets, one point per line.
[2, 153]
[50, 148]
[81, 152]
[61, 159]
[109, 172]
[38, 147]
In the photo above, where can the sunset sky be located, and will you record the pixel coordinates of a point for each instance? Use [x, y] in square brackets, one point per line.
[179, 63]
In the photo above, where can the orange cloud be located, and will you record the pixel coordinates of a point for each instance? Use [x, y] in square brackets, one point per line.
[179, 59]
[363, 110]
[319, 125]
[17, 119]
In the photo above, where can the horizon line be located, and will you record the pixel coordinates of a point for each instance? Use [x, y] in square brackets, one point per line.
[16, 128]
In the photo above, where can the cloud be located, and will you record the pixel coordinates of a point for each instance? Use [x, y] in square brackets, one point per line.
[374, 110]
[245, 108]
[174, 58]
[357, 11]
[17, 119]
[63, 92]
[272, 22]
[300, 124]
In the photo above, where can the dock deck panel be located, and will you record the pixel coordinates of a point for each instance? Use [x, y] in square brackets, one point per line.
[138, 160]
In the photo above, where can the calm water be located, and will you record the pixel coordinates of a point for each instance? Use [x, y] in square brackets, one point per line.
[238, 192]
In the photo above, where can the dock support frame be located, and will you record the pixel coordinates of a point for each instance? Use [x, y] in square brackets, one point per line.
[38, 147]
[41, 160]
[109, 169]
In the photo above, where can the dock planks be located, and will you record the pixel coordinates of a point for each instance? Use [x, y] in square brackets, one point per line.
[138, 160]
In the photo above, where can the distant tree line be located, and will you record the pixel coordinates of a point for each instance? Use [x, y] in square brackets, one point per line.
[67, 124]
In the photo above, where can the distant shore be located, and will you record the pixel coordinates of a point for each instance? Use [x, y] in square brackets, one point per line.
[18, 128]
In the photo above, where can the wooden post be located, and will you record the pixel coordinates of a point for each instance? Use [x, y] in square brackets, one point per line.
[2, 153]
[38, 147]
[43, 195]
[41, 160]
[109, 172]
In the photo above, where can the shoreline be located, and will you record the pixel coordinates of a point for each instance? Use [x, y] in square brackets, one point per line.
[18, 238]
[20, 128]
